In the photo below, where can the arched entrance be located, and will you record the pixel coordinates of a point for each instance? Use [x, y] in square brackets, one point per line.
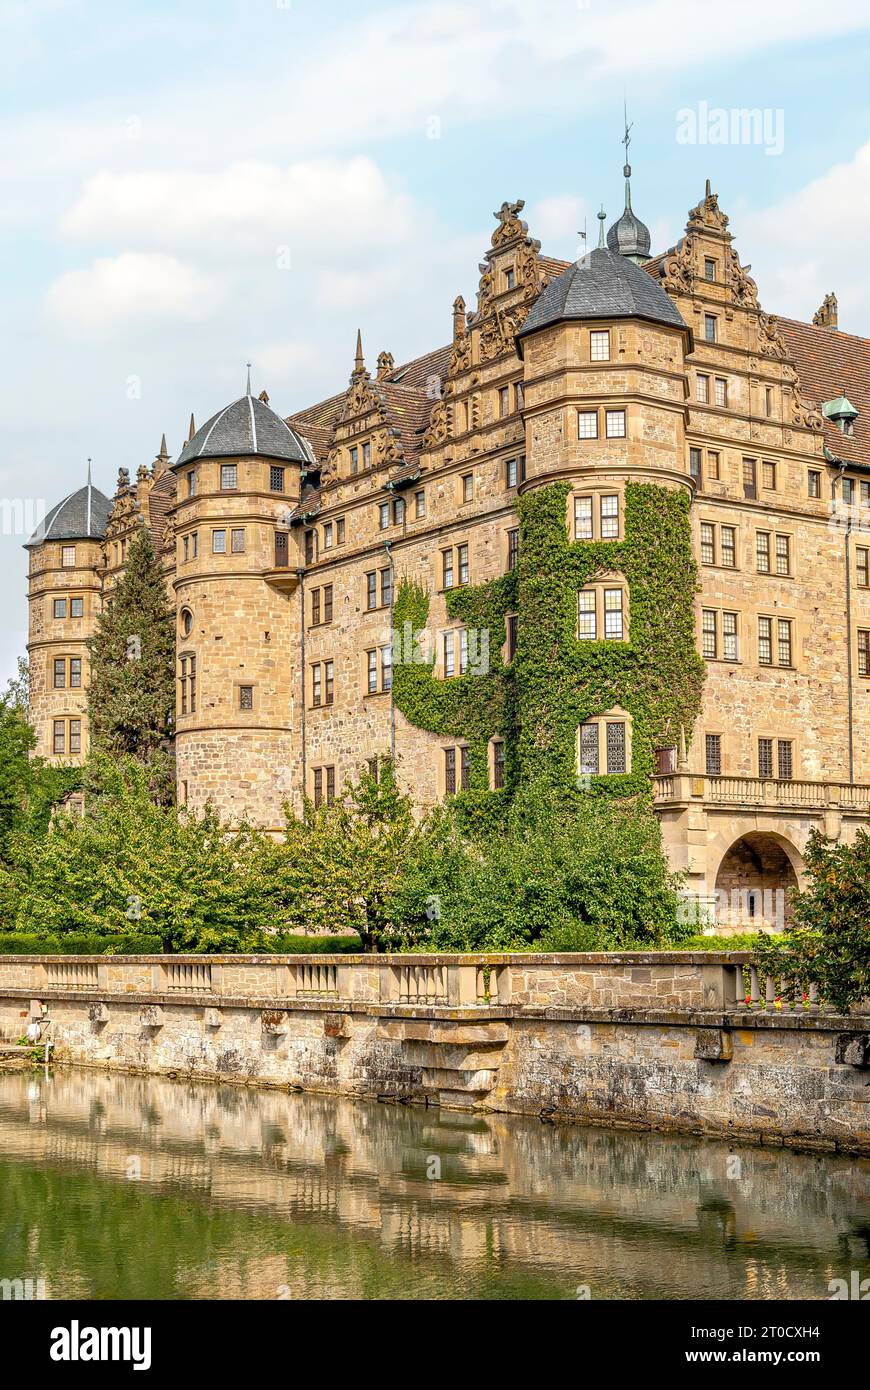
[754, 881]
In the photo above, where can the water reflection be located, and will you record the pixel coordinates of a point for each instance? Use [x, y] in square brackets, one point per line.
[115, 1186]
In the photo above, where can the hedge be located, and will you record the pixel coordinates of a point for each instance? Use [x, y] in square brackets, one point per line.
[78, 944]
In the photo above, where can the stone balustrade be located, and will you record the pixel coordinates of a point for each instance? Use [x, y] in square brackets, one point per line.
[759, 792]
[684, 981]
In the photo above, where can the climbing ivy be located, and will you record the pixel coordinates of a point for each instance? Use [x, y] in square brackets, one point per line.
[555, 681]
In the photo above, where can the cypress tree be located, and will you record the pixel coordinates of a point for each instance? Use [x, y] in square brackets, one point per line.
[131, 696]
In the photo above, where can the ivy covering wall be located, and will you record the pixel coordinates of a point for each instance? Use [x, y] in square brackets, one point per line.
[555, 681]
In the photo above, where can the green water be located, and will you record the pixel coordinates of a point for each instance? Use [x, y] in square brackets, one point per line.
[130, 1187]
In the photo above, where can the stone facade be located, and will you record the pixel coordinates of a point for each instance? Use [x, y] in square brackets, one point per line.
[415, 474]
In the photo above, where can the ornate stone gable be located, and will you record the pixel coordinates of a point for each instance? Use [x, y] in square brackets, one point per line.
[501, 312]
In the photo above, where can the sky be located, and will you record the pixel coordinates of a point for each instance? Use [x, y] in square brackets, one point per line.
[188, 186]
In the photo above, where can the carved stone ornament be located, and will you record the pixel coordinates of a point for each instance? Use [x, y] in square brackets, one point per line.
[708, 215]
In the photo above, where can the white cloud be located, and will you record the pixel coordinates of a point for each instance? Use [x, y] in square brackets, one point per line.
[812, 242]
[329, 202]
[129, 289]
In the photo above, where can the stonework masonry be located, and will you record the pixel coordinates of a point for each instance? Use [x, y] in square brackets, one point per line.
[659, 1041]
[283, 562]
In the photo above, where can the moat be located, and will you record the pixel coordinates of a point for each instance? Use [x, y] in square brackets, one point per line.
[115, 1186]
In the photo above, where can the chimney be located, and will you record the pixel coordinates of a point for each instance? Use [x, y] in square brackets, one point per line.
[826, 316]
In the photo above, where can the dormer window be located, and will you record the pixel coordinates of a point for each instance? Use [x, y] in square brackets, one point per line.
[709, 269]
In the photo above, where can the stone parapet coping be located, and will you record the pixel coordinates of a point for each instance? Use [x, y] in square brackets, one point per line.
[704, 1018]
[411, 958]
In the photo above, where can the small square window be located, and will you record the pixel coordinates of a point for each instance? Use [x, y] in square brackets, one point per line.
[246, 697]
[599, 345]
[615, 424]
[60, 607]
[587, 424]
[219, 542]
[68, 556]
[229, 476]
[276, 479]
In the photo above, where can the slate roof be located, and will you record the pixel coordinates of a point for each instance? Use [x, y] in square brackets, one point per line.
[81, 516]
[602, 284]
[831, 363]
[248, 426]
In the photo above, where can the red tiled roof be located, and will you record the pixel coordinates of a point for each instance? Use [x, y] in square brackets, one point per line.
[831, 364]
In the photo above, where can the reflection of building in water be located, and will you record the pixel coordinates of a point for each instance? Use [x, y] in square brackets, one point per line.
[340, 1190]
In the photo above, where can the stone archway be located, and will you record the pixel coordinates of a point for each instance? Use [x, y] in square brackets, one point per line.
[754, 880]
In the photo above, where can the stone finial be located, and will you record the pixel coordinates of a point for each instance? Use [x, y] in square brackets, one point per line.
[142, 472]
[192, 431]
[359, 372]
[386, 364]
[264, 397]
[458, 317]
[826, 315]
[123, 480]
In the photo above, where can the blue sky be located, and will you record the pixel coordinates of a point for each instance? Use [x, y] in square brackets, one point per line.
[189, 185]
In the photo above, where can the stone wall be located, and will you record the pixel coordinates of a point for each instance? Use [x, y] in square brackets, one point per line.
[651, 1040]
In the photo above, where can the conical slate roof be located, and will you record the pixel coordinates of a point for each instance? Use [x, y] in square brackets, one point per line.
[81, 516]
[602, 285]
[248, 426]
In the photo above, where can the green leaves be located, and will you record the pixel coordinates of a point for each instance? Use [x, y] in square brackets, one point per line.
[828, 939]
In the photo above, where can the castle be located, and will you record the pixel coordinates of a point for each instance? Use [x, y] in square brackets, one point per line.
[611, 531]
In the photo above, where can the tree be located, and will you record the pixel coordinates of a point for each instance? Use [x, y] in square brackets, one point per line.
[128, 864]
[17, 771]
[558, 877]
[343, 865]
[827, 941]
[131, 695]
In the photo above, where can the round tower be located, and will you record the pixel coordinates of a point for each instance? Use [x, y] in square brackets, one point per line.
[64, 598]
[236, 580]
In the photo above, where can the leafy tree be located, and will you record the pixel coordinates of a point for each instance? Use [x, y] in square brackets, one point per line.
[827, 941]
[130, 865]
[557, 878]
[343, 865]
[17, 771]
[131, 695]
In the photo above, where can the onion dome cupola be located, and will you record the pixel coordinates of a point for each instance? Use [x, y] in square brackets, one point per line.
[249, 426]
[602, 285]
[629, 236]
[81, 516]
